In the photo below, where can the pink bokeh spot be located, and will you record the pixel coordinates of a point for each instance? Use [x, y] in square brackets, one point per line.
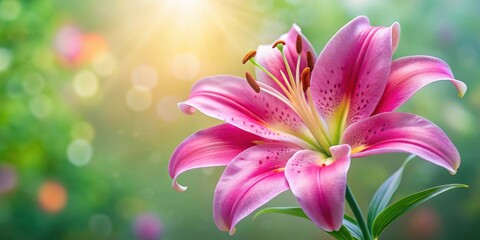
[148, 227]
[8, 178]
[68, 43]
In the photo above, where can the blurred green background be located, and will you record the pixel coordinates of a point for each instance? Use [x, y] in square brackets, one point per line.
[88, 117]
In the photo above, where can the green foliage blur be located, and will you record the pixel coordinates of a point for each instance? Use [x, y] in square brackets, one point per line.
[88, 118]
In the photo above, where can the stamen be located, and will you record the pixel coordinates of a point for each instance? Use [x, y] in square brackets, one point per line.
[296, 93]
[274, 93]
[282, 86]
[310, 60]
[249, 56]
[299, 44]
[285, 79]
[306, 79]
[281, 42]
[289, 70]
[251, 81]
[323, 125]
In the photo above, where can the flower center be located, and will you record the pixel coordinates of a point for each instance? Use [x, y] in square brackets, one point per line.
[295, 87]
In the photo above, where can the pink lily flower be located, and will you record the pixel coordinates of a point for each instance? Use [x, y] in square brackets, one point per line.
[306, 117]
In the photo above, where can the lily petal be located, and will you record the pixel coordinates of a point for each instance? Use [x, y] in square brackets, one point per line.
[215, 146]
[402, 132]
[249, 181]
[319, 184]
[410, 74]
[232, 100]
[272, 60]
[351, 72]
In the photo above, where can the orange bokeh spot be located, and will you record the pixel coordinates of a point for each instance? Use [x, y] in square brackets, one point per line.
[52, 197]
[75, 48]
[93, 45]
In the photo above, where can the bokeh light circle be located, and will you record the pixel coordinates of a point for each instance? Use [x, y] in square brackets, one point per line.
[139, 98]
[8, 178]
[148, 227]
[85, 83]
[79, 152]
[100, 224]
[40, 106]
[68, 43]
[167, 109]
[144, 76]
[5, 59]
[52, 197]
[185, 66]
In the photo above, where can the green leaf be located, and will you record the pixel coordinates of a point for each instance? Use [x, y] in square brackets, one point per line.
[392, 212]
[385, 192]
[343, 233]
[352, 226]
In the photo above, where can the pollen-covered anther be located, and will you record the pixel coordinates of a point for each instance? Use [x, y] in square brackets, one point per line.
[252, 82]
[305, 78]
[249, 56]
[299, 44]
[279, 42]
[310, 60]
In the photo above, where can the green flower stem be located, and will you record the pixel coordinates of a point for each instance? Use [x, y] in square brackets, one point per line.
[358, 214]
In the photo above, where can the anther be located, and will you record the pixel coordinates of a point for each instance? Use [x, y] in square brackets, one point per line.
[306, 78]
[249, 56]
[310, 60]
[299, 44]
[251, 81]
[279, 42]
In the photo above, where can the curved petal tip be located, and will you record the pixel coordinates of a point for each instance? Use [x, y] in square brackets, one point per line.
[296, 27]
[185, 108]
[177, 187]
[395, 35]
[361, 18]
[462, 89]
[338, 151]
[453, 170]
[232, 231]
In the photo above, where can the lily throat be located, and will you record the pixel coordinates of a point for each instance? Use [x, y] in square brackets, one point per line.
[293, 89]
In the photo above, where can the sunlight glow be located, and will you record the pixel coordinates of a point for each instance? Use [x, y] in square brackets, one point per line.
[138, 99]
[182, 38]
[144, 76]
[185, 66]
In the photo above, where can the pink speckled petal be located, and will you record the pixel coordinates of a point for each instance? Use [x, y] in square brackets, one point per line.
[352, 70]
[319, 184]
[409, 75]
[232, 100]
[211, 147]
[402, 132]
[249, 181]
[271, 59]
